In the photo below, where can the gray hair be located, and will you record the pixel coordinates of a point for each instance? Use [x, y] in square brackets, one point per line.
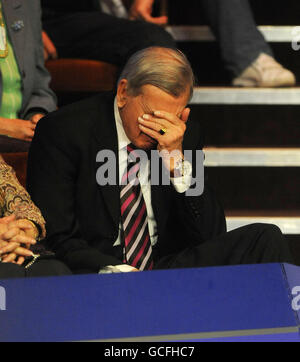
[164, 68]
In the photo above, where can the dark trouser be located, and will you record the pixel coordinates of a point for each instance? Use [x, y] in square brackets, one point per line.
[94, 35]
[233, 25]
[41, 268]
[252, 244]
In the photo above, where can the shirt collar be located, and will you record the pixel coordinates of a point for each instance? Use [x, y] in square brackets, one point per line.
[123, 140]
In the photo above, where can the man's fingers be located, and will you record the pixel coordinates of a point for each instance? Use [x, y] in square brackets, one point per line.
[172, 117]
[150, 132]
[155, 123]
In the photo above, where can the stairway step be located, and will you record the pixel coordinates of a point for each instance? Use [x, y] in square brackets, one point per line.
[252, 157]
[269, 13]
[246, 96]
[289, 224]
[275, 34]
[256, 188]
[248, 126]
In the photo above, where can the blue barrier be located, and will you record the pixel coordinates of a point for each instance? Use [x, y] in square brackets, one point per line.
[217, 303]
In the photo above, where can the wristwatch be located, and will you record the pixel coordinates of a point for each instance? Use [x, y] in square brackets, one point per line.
[182, 168]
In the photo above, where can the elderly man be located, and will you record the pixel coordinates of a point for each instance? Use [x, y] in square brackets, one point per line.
[126, 224]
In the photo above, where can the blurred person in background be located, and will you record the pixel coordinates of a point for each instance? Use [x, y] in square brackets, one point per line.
[244, 50]
[25, 95]
[84, 30]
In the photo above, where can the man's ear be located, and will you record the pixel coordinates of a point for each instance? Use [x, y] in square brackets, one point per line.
[122, 93]
[185, 114]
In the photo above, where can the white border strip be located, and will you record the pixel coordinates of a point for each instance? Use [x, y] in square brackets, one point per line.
[252, 157]
[288, 225]
[234, 96]
[276, 34]
[205, 335]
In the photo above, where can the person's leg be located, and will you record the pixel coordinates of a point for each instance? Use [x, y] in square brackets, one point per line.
[244, 50]
[234, 27]
[9, 270]
[252, 244]
[94, 35]
[43, 268]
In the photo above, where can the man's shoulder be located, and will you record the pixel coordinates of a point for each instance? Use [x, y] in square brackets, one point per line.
[83, 114]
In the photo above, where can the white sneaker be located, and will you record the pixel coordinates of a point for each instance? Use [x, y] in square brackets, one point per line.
[265, 72]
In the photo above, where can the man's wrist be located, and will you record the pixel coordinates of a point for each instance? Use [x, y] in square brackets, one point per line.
[182, 168]
[172, 161]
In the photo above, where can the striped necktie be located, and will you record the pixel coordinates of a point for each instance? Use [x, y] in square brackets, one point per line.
[137, 243]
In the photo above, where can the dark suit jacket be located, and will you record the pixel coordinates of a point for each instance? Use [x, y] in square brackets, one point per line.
[82, 218]
[28, 49]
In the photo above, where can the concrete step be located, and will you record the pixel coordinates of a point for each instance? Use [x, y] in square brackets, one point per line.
[256, 188]
[246, 96]
[252, 157]
[264, 12]
[289, 223]
[226, 125]
[189, 33]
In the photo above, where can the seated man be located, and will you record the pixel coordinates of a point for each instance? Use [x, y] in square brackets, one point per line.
[79, 29]
[22, 227]
[99, 214]
[244, 51]
[24, 86]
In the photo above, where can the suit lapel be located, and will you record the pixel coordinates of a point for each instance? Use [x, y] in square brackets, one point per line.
[16, 27]
[106, 139]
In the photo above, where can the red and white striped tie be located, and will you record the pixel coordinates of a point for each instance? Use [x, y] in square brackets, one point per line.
[137, 243]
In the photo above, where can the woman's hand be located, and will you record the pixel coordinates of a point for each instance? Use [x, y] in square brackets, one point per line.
[17, 128]
[16, 240]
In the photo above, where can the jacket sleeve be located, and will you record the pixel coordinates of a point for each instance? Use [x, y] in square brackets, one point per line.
[42, 97]
[51, 180]
[202, 215]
